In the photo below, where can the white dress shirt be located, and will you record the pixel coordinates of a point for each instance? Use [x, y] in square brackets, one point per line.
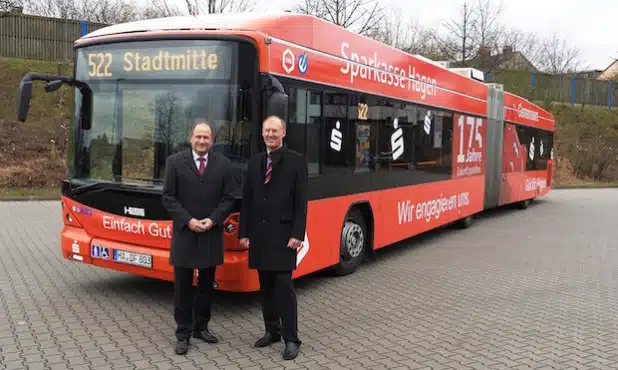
[196, 159]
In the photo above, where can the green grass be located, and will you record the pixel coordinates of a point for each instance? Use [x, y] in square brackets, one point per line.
[43, 105]
[27, 194]
[32, 153]
[587, 185]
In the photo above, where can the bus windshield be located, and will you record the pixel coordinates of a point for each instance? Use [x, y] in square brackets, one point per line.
[145, 97]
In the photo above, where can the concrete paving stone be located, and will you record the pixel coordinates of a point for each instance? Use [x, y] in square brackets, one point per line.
[520, 289]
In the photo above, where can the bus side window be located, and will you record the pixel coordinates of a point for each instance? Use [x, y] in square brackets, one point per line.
[337, 136]
[303, 126]
[433, 140]
[395, 137]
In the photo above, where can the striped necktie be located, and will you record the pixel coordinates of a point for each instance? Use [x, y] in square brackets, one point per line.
[269, 169]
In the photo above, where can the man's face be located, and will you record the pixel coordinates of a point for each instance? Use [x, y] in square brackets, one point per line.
[273, 133]
[201, 139]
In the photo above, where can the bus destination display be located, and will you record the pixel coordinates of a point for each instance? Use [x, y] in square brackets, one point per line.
[209, 62]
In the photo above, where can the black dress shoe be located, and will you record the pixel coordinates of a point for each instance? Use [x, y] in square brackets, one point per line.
[291, 351]
[182, 346]
[205, 336]
[267, 339]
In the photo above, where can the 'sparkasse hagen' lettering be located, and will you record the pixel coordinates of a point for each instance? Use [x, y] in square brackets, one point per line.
[165, 61]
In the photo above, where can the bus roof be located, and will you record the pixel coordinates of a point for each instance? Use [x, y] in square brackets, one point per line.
[268, 23]
[321, 36]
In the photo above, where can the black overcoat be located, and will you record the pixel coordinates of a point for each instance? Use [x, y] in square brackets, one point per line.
[273, 213]
[188, 195]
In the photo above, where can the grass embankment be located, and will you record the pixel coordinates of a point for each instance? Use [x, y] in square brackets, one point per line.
[33, 154]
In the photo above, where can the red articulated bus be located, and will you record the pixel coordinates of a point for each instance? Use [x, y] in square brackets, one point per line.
[396, 144]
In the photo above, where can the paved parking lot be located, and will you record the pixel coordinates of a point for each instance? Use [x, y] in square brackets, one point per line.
[520, 289]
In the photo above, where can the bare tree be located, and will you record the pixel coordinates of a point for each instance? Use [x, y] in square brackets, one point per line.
[160, 8]
[558, 57]
[219, 6]
[407, 35]
[7, 6]
[103, 11]
[458, 41]
[361, 16]
[116, 11]
[487, 27]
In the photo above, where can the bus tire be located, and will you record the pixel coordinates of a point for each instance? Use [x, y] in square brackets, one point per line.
[524, 204]
[465, 222]
[353, 243]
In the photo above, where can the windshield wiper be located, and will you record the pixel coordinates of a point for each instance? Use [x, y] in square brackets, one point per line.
[103, 185]
[83, 188]
[154, 181]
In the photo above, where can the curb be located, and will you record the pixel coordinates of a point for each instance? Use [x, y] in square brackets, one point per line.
[29, 198]
[584, 186]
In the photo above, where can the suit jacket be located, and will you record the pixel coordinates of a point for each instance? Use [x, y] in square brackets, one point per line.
[188, 195]
[273, 213]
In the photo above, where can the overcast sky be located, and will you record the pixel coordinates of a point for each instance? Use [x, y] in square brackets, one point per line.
[587, 24]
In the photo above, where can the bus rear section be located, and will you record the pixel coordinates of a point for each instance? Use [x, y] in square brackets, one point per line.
[135, 107]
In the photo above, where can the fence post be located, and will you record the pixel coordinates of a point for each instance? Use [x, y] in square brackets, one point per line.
[573, 91]
[84, 29]
[533, 79]
[609, 94]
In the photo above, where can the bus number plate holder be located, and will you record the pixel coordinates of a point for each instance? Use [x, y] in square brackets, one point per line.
[132, 258]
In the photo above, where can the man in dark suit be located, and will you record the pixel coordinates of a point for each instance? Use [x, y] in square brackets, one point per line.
[272, 226]
[198, 194]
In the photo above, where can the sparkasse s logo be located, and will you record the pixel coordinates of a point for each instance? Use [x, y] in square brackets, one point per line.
[397, 142]
[288, 60]
[336, 137]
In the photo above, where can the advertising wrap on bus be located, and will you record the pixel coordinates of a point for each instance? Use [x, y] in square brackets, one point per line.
[396, 144]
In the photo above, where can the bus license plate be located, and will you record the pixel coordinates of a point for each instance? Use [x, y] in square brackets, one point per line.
[132, 258]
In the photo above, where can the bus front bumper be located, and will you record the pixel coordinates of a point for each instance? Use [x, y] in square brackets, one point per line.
[77, 245]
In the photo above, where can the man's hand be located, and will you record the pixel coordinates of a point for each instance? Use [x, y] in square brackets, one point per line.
[207, 223]
[294, 243]
[244, 242]
[196, 225]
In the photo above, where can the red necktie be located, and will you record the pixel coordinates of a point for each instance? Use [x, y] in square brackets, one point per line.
[269, 169]
[201, 165]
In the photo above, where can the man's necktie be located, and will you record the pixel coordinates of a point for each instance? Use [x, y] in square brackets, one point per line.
[201, 165]
[269, 169]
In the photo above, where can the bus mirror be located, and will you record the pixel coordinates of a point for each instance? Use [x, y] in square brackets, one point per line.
[25, 90]
[24, 96]
[53, 86]
[278, 105]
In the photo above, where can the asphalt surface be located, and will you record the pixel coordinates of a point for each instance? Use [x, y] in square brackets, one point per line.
[520, 289]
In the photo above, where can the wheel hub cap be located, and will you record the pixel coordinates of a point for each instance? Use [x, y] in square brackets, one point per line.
[354, 239]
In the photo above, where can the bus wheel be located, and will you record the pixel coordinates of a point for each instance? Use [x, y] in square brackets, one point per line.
[353, 243]
[465, 222]
[524, 204]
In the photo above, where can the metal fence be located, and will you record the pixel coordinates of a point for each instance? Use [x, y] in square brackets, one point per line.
[566, 89]
[33, 37]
